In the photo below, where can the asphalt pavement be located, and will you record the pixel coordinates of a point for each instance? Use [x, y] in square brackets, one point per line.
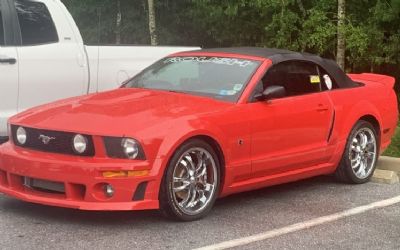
[31, 226]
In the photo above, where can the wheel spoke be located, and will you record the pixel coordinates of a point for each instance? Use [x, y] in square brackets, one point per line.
[185, 201]
[208, 187]
[202, 197]
[364, 140]
[358, 163]
[370, 146]
[180, 179]
[193, 201]
[370, 155]
[185, 185]
[184, 163]
[361, 170]
[189, 159]
[184, 166]
[202, 173]
[200, 160]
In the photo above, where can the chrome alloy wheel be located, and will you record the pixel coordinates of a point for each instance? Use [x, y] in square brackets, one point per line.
[194, 180]
[362, 153]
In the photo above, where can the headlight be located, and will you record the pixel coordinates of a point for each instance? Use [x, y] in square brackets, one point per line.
[130, 147]
[80, 144]
[124, 148]
[21, 135]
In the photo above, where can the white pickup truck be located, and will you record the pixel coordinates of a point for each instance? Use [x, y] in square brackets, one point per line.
[43, 58]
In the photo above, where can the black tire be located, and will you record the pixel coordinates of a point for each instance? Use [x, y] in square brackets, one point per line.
[345, 172]
[168, 204]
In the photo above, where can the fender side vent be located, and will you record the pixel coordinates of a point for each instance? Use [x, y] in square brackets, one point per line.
[332, 125]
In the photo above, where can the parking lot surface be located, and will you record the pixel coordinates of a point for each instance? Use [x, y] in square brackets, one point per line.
[31, 226]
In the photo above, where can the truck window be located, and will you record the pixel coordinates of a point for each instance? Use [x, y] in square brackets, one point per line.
[1, 28]
[37, 26]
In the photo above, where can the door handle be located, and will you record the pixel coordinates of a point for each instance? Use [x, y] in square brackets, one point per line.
[322, 108]
[8, 60]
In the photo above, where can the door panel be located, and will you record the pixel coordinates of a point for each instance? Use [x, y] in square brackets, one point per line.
[8, 75]
[48, 73]
[49, 68]
[290, 133]
[8, 85]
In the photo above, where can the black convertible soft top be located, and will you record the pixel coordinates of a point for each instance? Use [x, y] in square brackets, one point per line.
[280, 55]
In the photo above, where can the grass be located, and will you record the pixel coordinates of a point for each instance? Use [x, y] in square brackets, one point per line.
[394, 148]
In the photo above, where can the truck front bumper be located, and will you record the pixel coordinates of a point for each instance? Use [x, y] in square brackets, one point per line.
[3, 139]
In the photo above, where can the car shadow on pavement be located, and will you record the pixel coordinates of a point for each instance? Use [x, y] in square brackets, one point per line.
[223, 206]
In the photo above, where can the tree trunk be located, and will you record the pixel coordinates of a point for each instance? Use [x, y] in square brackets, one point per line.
[152, 23]
[118, 23]
[301, 7]
[341, 39]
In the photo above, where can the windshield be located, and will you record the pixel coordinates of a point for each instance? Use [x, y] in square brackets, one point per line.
[217, 77]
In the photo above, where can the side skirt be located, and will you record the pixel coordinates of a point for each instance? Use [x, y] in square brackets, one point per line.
[276, 179]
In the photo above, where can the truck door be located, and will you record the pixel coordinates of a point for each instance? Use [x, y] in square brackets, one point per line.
[51, 65]
[8, 70]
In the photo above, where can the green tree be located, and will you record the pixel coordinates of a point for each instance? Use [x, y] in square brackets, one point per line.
[371, 28]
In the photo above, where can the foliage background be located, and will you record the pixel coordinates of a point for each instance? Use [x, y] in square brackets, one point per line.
[372, 26]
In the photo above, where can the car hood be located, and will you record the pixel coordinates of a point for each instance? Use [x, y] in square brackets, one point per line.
[119, 112]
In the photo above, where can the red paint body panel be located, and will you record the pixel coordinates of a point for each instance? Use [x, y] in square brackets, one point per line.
[283, 140]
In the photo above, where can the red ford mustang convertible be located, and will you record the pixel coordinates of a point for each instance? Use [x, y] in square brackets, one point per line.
[200, 125]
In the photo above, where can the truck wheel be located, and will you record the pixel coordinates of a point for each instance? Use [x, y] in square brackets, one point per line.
[190, 185]
[360, 155]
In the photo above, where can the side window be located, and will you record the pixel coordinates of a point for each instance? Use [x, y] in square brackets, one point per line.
[37, 26]
[2, 42]
[297, 77]
[327, 82]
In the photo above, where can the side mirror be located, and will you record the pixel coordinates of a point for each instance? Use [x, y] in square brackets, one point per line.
[272, 92]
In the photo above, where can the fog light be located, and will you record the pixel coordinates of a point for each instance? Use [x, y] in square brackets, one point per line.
[109, 190]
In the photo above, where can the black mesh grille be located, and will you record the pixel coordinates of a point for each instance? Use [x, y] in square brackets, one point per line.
[60, 142]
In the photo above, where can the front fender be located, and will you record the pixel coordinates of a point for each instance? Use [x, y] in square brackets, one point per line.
[178, 135]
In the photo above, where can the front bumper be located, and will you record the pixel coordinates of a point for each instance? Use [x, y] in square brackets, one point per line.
[81, 178]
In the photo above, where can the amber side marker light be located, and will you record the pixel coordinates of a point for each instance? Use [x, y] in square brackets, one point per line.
[117, 174]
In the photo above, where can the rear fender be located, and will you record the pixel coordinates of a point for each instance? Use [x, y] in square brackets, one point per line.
[363, 108]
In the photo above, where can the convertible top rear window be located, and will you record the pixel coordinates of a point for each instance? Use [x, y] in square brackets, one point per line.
[221, 78]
